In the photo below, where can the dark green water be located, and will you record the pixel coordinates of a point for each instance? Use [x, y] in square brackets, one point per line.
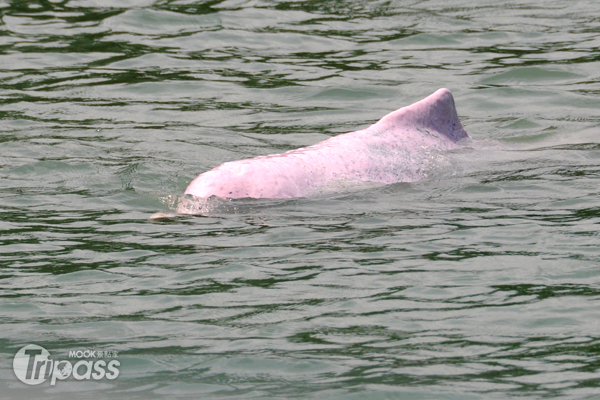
[481, 282]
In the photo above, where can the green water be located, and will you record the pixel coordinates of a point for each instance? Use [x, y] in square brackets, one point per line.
[480, 282]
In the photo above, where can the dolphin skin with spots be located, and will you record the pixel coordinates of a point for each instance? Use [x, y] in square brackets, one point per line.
[398, 148]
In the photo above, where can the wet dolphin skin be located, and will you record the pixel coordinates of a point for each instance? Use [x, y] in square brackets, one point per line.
[392, 150]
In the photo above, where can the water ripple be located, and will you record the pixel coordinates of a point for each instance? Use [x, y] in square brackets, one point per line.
[479, 282]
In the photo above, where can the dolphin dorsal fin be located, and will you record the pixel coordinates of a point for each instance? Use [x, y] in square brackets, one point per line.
[436, 112]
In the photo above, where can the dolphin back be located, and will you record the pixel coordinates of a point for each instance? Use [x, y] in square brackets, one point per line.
[396, 149]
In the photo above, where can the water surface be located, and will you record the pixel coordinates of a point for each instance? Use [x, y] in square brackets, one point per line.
[479, 282]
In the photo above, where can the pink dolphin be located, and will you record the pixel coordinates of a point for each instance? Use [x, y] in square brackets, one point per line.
[397, 148]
